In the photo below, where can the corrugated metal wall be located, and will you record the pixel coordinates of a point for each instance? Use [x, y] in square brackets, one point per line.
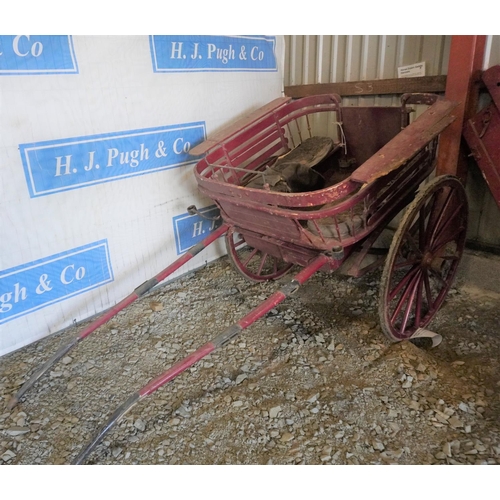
[346, 58]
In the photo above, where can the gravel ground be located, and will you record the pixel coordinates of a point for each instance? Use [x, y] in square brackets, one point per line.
[314, 382]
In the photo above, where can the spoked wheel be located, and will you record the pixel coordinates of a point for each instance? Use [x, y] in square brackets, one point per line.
[423, 258]
[253, 264]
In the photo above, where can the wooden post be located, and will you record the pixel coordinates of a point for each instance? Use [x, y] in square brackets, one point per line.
[462, 85]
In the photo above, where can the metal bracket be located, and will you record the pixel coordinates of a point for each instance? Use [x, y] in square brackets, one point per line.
[336, 253]
[192, 210]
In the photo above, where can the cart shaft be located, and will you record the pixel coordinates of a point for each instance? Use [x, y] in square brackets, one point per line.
[219, 341]
[101, 320]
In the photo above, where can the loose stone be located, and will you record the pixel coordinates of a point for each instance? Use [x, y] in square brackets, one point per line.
[286, 437]
[447, 449]
[140, 425]
[274, 412]
[17, 431]
[455, 422]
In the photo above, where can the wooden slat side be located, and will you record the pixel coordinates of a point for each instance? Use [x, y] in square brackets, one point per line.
[240, 124]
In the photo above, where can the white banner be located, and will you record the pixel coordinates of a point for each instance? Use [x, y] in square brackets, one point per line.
[96, 171]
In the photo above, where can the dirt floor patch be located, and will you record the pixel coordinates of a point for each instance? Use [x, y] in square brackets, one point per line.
[313, 382]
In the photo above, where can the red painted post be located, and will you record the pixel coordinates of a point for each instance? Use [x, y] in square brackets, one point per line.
[462, 85]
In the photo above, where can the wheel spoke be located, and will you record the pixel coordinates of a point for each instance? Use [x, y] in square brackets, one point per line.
[404, 297]
[416, 276]
[253, 263]
[407, 263]
[409, 305]
[418, 305]
[438, 245]
[428, 291]
[402, 283]
[412, 243]
[239, 242]
[262, 262]
[252, 255]
[445, 225]
[434, 226]
[437, 276]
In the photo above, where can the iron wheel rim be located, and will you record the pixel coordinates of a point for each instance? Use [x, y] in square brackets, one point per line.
[423, 258]
[252, 263]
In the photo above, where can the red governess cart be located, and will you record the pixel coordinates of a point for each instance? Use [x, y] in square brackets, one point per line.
[311, 183]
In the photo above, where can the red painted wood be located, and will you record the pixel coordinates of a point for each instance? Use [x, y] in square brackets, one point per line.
[407, 143]
[482, 134]
[491, 78]
[466, 59]
[159, 278]
[245, 322]
[236, 127]
[285, 222]
[278, 297]
[176, 369]
[108, 315]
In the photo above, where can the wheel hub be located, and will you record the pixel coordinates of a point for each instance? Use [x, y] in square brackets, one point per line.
[427, 260]
[432, 261]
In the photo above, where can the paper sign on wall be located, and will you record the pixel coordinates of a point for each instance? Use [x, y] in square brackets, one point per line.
[412, 70]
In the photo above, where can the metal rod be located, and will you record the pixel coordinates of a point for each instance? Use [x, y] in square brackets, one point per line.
[138, 292]
[262, 173]
[219, 341]
[115, 417]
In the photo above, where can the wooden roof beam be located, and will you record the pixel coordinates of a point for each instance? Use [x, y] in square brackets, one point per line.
[371, 87]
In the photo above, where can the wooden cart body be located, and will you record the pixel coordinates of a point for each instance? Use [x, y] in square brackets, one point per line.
[379, 157]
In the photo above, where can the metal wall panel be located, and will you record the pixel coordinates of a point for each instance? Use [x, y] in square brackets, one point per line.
[343, 58]
[346, 58]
